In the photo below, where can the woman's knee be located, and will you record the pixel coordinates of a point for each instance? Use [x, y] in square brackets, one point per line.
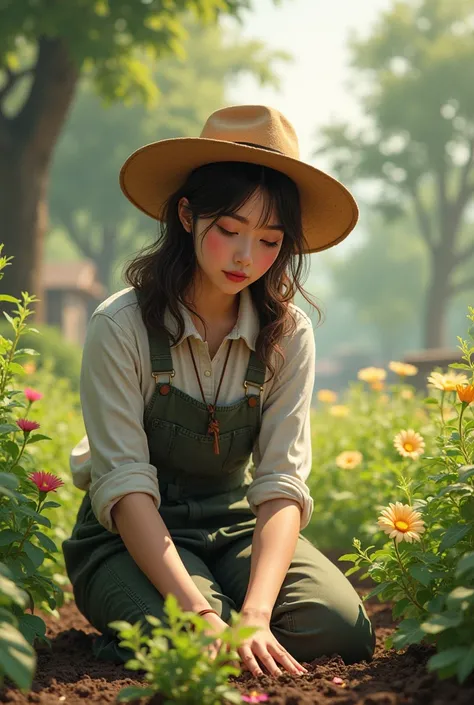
[311, 630]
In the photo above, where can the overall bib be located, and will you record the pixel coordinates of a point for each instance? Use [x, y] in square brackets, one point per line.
[204, 506]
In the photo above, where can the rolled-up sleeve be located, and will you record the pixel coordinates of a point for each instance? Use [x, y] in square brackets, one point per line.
[282, 453]
[112, 407]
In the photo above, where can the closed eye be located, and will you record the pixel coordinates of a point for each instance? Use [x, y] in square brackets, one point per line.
[229, 232]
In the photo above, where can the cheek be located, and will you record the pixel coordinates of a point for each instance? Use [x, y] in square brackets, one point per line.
[266, 259]
[214, 244]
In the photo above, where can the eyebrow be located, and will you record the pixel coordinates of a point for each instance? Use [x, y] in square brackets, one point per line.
[244, 220]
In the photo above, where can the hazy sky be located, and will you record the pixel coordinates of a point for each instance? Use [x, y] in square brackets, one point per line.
[314, 87]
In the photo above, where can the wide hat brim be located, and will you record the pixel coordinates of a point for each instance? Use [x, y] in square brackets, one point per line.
[154, 172]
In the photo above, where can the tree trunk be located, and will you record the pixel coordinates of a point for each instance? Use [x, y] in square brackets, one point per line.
[437, 296]
[26, 145]
[23, 183]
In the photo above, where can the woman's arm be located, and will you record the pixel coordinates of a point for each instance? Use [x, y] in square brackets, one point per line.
[273, 545]
[148, 541]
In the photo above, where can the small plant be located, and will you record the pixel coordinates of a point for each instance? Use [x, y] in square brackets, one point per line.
[23, 498]
[427, 569]
[177, 659]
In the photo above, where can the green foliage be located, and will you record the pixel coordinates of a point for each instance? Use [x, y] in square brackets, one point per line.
[431, 580]
[17, 656]
[60, 356]
[103, 36]
[177, 660]
[24, 545]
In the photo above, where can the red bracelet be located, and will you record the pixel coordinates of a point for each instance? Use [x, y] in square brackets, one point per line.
[206, 611]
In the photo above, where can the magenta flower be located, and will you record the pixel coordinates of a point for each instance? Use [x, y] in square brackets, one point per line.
[45, 481]
[27, 426]
[32, 395]
[338, 681]
[255, 697]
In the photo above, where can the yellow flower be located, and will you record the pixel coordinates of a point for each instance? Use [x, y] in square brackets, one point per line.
[406, 394]
[447, 382]
[349, 459]
[403, 369]
[401, 522]
[339, 410]
[465, 393]
[409, 444]
[377, 386]
[371, 374]
[327, 396]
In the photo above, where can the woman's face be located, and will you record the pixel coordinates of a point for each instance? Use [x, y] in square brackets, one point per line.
[235, 243]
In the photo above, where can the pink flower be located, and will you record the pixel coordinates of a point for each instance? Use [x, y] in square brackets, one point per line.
[32, 395]
[45, 481]
[27, 426]
[338, 681]
[255, 697]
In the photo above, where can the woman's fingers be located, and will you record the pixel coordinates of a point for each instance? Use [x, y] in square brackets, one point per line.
[286, 659]
[267, 659]
[249, 660]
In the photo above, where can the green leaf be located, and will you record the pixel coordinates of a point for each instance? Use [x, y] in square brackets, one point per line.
[31, 627]
[17, 656]
[349, 557]
[446, 658]
[467, 471]
[51, 505]
[431, 400]
[466, 564]
[34, 553]
[7, 480]
[8, 536]
[7, 428]
[133, 692]
[400, 607]
[378, 589]
[46, 542]
[10, 299]
[459, 366]
[440, 622]
[408, 632]
[460, 594]
[421, 573]
[466, 665]
[37, 437]
[453, 535]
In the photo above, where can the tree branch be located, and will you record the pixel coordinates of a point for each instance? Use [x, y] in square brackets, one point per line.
[466, 189]
[425, 226]
[460, 287]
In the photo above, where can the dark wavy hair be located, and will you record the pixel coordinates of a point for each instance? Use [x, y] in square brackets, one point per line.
[163, 271]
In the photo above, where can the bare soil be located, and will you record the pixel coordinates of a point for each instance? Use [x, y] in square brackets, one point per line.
[69, 673]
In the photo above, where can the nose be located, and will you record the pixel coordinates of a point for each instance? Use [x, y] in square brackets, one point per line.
[243, 255]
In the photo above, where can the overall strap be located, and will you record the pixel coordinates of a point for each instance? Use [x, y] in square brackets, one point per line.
[255, 374]
[160, 353]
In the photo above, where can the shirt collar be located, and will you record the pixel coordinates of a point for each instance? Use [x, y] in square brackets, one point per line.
[247, 325]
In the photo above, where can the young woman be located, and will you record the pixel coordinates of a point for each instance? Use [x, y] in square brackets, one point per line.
[201, 365]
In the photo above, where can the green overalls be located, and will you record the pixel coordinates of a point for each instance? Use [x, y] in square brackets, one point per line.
[204, 506]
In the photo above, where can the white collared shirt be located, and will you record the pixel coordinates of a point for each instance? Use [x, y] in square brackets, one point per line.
[113, 459]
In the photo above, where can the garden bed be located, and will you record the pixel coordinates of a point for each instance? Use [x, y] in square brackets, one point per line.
[71, 675]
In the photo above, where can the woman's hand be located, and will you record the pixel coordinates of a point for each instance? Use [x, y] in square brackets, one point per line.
[264, 646]
[217, 625]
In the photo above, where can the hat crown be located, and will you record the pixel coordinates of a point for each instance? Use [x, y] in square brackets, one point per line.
[257, 125]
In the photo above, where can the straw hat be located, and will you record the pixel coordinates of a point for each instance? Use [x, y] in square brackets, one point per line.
[242, 133]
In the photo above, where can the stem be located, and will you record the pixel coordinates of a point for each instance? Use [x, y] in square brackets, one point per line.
[405, 587]
[441, 407]
[461, 435]
[27, 532]
[25, 439]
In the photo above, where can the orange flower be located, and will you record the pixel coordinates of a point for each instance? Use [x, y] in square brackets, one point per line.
[349, 459]
[465, 393]
[327, 396]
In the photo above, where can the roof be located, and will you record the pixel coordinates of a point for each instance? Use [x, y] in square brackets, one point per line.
[78, 275]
